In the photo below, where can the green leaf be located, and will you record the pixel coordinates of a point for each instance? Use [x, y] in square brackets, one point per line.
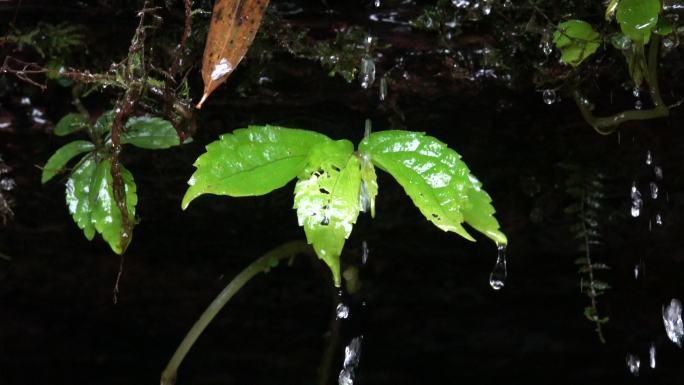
[369, 185]
[103, 124]
[664, 27]
[105, 214]
[251, 161]
[637, 18]
[70, 123]
[576, 40]
[150, 132]
[78, 194]
[62, 156]
[437, 181]
[327, 204]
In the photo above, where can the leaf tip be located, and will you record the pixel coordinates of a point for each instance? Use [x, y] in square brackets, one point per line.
[201, 102]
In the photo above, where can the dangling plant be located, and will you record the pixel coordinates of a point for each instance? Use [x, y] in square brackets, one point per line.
[335, 182]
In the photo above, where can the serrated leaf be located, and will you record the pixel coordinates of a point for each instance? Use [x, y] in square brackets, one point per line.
[78, 194]
[70, 123]
[62, 156]
[369, 185]
[637, 18]
[251, 161]
[327, 204]
[435, 178]
[150, 132]
[577, 40]
[105, 214]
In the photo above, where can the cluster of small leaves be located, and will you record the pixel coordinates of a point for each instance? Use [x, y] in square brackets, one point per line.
[588, 193]
[50, 41]
[89, 187]
[335, 183]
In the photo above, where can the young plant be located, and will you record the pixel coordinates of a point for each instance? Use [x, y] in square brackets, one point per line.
[335, 182]
[90, 185]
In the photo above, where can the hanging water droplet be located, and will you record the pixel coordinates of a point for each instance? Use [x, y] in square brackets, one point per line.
[342, 311]
[659, 219]
[633, 364]
[549, 96]
[658, 172]
[652, 355]
[497, 278]
[672, 319]
[637, 202]
[383, 89]
[649, 158]
[367, 72]
[545, 43]
[654, 190]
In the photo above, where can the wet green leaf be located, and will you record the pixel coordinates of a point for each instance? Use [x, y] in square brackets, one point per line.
[104, 212]
[637, 18]
[62, 156]
[327, 204]
[436, 179]
[251, 161]
[103, 124]
[78, 194]
[70, 123]
[150, 132]
[577, 40]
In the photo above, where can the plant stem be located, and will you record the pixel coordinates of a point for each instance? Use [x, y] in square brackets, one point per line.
[607, 124]
[263, 264]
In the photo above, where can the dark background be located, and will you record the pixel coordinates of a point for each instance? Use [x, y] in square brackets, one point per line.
[429, 317]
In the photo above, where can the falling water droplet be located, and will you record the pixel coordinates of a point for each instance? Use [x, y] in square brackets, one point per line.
[636, 271]
[649, 158]
[658, 172]
[545, 43]
[486, 9]
[383, 89]
[352, 354]
[497, 278]
[633, 364]
[652, 355]
[342, 311]
[377, 3]
[654, 190]
[364, 252]
[638, 105]
[549, 96]
[636, 91]
[659, 219]
[367, 72]
[672, 318]
[637, 202]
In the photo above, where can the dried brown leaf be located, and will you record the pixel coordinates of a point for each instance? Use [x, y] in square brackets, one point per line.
[234, 23]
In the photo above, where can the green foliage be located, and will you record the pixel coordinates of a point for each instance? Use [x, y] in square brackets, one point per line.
[335, 184]
[577, 40]
[90, 186]
[638, 18]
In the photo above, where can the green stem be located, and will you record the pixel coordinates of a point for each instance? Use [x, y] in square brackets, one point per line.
[607, 124]
[263, 264]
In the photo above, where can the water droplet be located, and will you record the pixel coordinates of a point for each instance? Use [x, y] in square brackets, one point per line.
[383, 89]
[364, 252]
[545, 43]
[636, 91]
[352, 354]
[633, 364]
[486, 9]
[367, 72]
[659, 219]
[325, 221]
[508, 4]
[636, 271]
[342, 311]
[621, 42]
[654, 190]
[497, 278]
[668, 43]
[672, 319]
[637, 202]
[461, 3]
[377, 3]
[345, 377]
[649, 158]
[25, 101]
[658, 172]
[7, 184]
[549, 96]
[638, 105]
[652, 355]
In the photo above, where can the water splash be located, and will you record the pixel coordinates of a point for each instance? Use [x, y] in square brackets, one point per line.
[497, 278]
[652, 355]
[637, 202]
[352, 354]
[633, 364]
[672, 319]
[549, 96]
[654, 190]
[658, 219]
[342, 311]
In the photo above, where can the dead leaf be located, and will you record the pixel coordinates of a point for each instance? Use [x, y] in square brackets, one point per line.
[234, 23]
